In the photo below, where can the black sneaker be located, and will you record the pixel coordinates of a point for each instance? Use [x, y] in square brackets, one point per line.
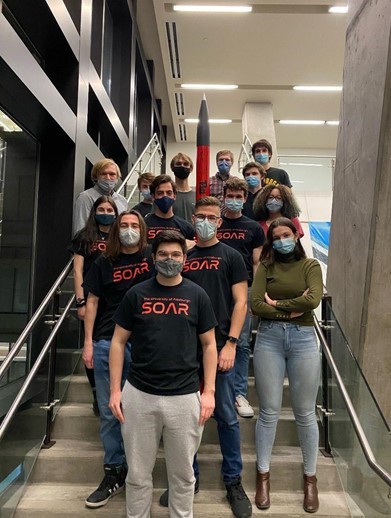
[163, 500]
[113, 482]
[238, 500]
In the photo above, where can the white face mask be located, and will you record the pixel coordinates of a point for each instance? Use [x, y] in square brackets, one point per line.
[107, 186]
[129, 236]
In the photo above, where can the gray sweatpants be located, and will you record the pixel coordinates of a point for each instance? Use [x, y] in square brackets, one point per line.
[147, 419]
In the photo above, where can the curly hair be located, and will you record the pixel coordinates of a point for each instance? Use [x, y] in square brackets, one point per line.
[290, 209]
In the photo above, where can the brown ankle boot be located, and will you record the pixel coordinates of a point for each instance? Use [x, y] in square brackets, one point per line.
[311, 501]
[262, 497]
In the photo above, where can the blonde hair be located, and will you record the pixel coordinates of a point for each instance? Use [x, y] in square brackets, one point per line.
[100, 165]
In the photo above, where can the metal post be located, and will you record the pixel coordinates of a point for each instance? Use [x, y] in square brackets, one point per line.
[326, 374]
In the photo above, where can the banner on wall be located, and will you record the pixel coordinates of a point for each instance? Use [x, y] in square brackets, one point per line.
[320, 239]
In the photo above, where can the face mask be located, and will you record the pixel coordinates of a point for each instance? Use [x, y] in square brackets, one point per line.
[262, 158]
[105, 219]
[164, 204]
[285, 246]
[253, 181]
[223, 167]
[146, 195]
[234, 205]
[169, 267]
[274, 205]
[181, 172]
[129, 236]
[107, 186]
[205, 230]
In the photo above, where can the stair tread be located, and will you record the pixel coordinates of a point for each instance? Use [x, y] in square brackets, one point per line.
[69, 499]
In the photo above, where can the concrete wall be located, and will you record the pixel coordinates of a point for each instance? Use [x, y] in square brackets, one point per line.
[359, 269]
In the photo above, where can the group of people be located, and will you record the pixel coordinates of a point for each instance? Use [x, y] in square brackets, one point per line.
[167, 292]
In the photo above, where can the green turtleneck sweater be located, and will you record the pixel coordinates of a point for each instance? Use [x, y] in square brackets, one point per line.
[285, 281]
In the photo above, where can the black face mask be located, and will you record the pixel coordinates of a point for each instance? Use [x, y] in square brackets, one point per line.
[181, 172]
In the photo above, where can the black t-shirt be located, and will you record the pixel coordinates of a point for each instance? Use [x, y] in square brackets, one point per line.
[276, 176]
[157, 224]
[248, 205]
[97, 248]
[110, 280]
[143, 208]
[165, 322]
[243, 234]
[217, 268]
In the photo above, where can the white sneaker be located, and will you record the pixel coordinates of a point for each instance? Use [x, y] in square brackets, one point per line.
[243, 407]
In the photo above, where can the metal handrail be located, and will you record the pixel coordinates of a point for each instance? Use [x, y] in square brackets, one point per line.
[15, 405]
[366, 448]
[243, 151]
[143, 171]
[5, 366]
[153, 140]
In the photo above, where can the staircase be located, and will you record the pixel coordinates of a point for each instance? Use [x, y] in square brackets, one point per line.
[65, 475]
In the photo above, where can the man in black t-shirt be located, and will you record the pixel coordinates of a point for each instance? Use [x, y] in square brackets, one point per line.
[221, 271]
[262, 152]
[165, 317]
[163, 191]
[247, 237]
[254, 175]
[143, 183]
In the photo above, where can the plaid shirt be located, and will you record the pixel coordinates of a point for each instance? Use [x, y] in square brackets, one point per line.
[216, 186]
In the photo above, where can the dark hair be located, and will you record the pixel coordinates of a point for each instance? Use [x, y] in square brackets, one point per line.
[208, 201]
[113, 248]
[250, 165]
[262, 143]
[147, 177]
[290, 209]
[162, 178]
[90, 233]
[169, 236]
[268, 255]
[235, 184]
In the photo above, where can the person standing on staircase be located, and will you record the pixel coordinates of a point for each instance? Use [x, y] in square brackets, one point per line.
[126, 262]
[165, 317]
[286, 288]
[182, 165]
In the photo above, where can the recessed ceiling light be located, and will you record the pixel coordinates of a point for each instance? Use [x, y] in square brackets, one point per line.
[212, 121]
[332, 123]
[213, 8]
[194, 86]
[318, 88]
[302, 122]
[301, 164]
[338, 9]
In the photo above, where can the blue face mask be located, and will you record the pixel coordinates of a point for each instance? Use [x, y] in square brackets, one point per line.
[285, 246]
[164, 203]
[274, 205]
[262, 158]
[105, 219]
[234, 205]
[146, 195]
[253, 181]
[223, 166]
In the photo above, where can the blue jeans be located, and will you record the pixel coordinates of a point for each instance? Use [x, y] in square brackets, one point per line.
[243, 354]
[284, 346]
[110, 427]
[227, 427]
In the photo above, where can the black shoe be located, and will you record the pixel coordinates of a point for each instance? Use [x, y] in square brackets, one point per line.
[113, 482]
[163, 500]
[238, 500]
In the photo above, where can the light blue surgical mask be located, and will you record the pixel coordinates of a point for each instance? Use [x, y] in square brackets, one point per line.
[107, 186]
[146, 195]
[274, 205]
[253, 181]
[262, 158]
[223, 166]
[205, 230]
[234, 205]
[285, 246]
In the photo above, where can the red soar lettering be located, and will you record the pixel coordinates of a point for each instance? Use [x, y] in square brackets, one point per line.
[201, 264]
[230, 234]
[130, 272]
[165, 308]
[98, 246]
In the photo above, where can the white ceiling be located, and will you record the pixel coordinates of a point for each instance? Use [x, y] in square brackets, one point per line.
[281, 44]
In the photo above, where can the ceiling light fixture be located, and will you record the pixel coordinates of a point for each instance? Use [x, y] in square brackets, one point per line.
[338, 9]
[302, 122]
[213, 8]
[194, 86]
[318, 88]
[211, 121]
[332, 123]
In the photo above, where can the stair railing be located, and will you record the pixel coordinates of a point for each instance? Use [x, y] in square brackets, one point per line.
[151, 151]
[245, 153]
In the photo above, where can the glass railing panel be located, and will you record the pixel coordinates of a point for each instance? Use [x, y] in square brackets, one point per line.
[366, 491]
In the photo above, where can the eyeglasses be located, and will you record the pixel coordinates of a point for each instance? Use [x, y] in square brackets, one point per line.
[165, 255]
[202, 217]
[274, 198]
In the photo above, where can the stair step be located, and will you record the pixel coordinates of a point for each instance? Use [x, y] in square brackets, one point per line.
[67, 501]
[82, 461]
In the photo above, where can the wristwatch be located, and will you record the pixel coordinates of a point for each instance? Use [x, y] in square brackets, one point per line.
[233, 340]
[80, 302]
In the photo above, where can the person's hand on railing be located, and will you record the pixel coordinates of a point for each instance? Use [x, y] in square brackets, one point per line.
[88, 354]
